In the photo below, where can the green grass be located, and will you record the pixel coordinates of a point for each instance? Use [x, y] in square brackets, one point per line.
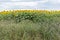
[28, 30]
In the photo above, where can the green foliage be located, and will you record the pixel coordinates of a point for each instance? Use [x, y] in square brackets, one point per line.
[26, 25]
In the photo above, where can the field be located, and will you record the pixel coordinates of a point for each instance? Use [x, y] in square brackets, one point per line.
[30, 25]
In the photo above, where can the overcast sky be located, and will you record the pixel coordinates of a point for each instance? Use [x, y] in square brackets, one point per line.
[29, 4]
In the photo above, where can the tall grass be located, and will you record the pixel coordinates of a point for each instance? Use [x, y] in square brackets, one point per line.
[30, 25]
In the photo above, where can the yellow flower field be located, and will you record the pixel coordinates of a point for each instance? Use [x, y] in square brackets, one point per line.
[30, 25]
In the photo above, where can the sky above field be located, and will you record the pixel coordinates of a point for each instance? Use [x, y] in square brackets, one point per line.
[29, 4]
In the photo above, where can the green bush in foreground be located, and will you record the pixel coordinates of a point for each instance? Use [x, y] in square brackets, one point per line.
[28, 25]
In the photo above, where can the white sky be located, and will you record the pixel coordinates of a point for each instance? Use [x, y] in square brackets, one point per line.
[29, 4]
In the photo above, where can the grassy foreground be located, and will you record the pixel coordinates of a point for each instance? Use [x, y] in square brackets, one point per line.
[30, 25]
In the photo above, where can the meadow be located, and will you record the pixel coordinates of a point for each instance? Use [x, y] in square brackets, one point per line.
[30, 25]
